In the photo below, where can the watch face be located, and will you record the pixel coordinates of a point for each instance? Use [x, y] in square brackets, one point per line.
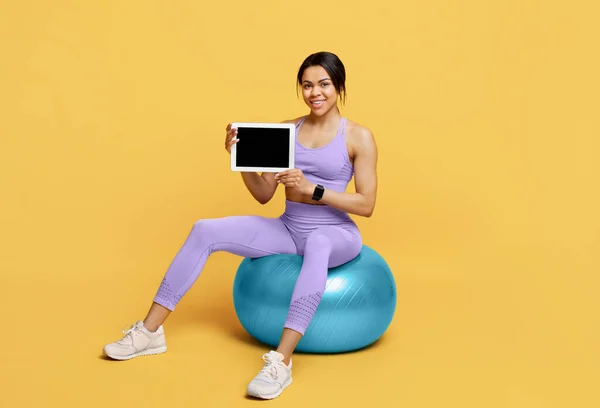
[318, 193]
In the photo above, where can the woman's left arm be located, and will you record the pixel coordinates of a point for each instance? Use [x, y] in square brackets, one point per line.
[365, 178]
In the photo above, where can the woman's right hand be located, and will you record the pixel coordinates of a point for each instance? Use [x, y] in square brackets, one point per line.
[230, 138]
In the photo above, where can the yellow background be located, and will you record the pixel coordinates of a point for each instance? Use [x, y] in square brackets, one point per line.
[112, 117]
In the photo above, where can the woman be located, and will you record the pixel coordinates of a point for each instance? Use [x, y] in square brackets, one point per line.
[330, 150]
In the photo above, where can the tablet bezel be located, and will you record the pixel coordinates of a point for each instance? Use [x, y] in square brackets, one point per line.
[292, 150]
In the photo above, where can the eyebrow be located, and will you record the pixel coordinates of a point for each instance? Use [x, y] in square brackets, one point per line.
[324, 79]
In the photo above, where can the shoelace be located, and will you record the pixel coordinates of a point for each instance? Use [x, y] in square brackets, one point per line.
[269, 371]
[128, 332]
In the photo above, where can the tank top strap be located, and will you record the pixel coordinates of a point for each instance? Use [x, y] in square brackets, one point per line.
[342, 129]
[300, 122]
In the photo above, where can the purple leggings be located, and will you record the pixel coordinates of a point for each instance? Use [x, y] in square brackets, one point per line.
[324, 236]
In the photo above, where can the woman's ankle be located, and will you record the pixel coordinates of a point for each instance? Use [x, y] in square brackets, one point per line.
[150, 326]
[287, 357]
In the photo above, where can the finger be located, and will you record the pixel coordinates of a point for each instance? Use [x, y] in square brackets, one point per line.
[230, 143]
[228, 126]
[231, 134]
[290, 181]
[286, 173]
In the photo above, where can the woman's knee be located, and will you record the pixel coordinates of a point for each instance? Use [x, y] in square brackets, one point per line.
[342, 245]
[318, 241]
[205, 225]
[205, 229]
[330, 235]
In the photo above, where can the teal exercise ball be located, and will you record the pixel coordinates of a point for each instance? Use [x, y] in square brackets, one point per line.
[356, 309]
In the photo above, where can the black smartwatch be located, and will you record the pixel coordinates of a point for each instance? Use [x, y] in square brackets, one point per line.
[318, 193]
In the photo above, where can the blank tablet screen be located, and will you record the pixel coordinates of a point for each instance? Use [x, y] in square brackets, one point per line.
[263, 147]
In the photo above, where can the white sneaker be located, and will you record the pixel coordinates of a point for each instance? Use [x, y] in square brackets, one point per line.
[273, 378]
[138, 341]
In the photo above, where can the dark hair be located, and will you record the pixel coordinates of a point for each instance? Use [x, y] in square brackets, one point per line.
[330, 63]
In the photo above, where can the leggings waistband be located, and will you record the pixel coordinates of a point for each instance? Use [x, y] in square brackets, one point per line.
[315, 211]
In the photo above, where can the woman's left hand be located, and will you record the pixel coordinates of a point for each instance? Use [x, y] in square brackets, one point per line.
[294, 178]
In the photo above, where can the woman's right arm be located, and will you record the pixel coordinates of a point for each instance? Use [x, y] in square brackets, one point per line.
[261, 186]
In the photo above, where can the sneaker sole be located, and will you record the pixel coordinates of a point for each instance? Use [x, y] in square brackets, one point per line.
[158, 350]
[277, 394]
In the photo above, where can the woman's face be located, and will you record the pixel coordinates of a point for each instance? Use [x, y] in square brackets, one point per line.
[318, 90]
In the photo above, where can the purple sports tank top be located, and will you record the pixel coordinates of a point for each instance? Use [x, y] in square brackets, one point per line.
[328, 165]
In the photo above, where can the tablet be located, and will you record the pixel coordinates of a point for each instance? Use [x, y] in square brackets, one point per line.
[263, 147]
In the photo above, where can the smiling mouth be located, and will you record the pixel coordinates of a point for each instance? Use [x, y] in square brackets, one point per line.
[317, 103]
